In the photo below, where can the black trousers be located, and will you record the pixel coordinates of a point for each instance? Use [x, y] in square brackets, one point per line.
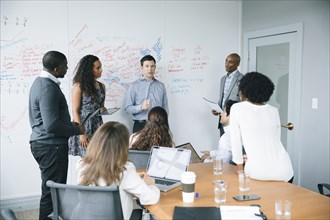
[136, 214]
[53, 165]
[221, 130]
[138, 125]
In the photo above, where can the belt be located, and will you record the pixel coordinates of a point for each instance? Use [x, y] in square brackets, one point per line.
[140, 121]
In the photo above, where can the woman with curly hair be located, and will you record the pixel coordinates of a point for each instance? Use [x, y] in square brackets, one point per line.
[87, 97]
[155, 133]
[256, 125]
[106, 163]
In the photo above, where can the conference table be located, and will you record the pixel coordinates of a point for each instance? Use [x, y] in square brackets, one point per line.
[306, 204]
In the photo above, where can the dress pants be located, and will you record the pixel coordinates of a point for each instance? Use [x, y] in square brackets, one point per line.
[220, 127]
[53, 165]
[138, 125]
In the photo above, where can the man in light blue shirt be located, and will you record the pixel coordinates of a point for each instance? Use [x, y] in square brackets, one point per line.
[145, 93]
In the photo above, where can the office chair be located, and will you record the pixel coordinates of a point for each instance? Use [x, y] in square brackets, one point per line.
[8, 214]
[85, 202]
[320, 186]
[139, 158]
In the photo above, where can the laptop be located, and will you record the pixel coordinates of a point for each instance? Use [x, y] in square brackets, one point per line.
[166, 165]
[195, 158]
[139, 158]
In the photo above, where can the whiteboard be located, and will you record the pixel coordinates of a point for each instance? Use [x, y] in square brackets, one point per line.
[189, 39]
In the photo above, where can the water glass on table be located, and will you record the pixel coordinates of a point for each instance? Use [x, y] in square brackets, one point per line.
[217, 165]
[283, 209]
[220, 191]
[244, 181]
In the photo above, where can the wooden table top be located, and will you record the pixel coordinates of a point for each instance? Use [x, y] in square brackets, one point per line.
[306, 204]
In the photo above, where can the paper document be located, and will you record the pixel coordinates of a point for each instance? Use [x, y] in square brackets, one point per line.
[213, 105]
[239, 212]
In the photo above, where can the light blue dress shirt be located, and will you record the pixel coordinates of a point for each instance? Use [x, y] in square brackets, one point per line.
[140, 90]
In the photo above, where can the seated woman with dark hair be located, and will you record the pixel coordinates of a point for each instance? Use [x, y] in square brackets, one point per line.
[256, 125]
[155, 133]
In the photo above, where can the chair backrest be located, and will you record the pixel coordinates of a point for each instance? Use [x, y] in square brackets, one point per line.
[85, 202]
[321, 187]
[139, 158]
[8, 214]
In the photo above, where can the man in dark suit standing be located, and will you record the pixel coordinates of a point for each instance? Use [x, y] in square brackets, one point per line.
[229, 84]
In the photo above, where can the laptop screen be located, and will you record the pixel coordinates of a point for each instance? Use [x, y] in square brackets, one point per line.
[195, 158]
[169, 163]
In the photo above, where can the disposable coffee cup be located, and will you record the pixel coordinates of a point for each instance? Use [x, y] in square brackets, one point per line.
[188, 186]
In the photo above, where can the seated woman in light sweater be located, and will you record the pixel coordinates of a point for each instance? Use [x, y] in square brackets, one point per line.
[106, 163]
[155, 133]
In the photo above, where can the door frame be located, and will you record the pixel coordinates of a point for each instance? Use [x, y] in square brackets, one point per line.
[295, 151]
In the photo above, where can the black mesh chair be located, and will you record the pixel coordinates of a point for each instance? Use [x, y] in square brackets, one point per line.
[8, 214]
[85, 202]
[321, 187]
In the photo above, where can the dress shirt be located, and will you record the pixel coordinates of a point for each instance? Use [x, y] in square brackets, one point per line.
[46, 74]
[224, 147]
[141, 90]
[229, 78]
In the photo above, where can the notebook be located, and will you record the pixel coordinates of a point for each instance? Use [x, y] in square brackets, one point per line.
[195, 158]
[166, 165]
[196, 213]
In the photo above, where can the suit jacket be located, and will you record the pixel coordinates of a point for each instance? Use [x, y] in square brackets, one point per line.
[232, 92]
[233, 88]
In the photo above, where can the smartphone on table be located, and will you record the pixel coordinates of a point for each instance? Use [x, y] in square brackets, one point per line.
[246, 197]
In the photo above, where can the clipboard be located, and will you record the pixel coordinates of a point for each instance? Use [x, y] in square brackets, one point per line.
[196, 213]
[109, 111]
[213, 105]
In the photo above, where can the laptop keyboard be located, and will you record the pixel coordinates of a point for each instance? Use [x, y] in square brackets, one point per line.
[164, 182]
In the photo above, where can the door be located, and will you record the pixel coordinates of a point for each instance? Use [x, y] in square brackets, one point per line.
[274, 57]
[276, 53]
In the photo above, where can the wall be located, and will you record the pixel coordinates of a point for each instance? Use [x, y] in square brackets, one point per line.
[314, 150]
[189, 39]
[26, 35]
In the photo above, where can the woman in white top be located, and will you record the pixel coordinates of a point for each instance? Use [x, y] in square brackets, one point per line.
[155, 133]
[106, 163]
[255, 125]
